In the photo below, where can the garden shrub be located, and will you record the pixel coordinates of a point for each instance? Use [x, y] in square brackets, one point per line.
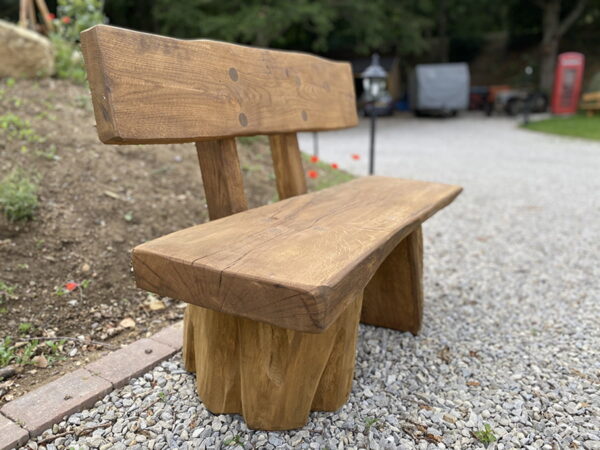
[74, 16]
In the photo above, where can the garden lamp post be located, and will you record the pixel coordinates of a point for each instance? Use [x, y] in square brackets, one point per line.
[374, 80]
[528, 95]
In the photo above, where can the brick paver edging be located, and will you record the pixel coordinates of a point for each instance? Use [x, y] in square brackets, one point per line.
[28, 416]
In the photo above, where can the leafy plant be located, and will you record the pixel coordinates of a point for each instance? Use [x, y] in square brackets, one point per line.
[17, 128]
[74, 17]
[7, 352]
[25, 327]
[369, 422]
[24, 354]
[485, 436]
[49, 153]
[18, 196]
[234, 441]
[6, 290]
[13, 124]
[28, 352]
[68, 61]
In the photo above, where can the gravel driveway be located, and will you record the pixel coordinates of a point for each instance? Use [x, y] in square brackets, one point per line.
[511, 336]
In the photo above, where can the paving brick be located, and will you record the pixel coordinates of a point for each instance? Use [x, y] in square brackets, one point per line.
[129, 362]
[47, 405]
[171, 336]
[11, 434]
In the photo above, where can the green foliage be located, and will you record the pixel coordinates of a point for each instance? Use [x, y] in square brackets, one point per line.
[23, 354]
[7, 352]
[369, 422]
[49, 153]
[17, 128]
[68, 61]
[575, 126]
[82, 14]
[326, 26]
[25, 327]
[6, 290]
[328, 176]
[13, 124]
[18, 196]
[485, 436]
[234, 441]
[74, 16]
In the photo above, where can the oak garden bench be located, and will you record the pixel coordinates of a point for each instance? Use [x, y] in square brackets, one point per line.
[275, 293]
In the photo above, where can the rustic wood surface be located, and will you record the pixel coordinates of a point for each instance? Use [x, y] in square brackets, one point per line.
[221, 176]
[394, 296]
[271, 375]
[211, 337]
[148, 89]
[287, 164]
[285, 374]
[295, 262]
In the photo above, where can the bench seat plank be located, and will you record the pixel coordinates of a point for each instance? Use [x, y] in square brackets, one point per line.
[292, 263]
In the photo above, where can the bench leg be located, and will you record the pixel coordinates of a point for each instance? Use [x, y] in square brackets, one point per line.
[210, 340]
[394, 296]
[278, 375]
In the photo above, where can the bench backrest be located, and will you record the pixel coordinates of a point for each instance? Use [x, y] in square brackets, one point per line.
[152, 89]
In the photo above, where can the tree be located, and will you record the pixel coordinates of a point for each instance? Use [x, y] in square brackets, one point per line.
[332, 27]
[553, 29]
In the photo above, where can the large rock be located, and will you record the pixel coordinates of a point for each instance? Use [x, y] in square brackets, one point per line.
[24, 53]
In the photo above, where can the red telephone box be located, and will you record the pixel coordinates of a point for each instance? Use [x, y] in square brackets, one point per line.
[567, 82]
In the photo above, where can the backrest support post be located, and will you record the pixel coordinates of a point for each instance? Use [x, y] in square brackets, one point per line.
[221, 177]
[287, 164]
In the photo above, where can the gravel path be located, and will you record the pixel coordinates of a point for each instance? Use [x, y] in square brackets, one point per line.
[511, 336]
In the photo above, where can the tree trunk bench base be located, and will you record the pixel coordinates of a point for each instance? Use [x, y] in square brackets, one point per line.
[274, 377]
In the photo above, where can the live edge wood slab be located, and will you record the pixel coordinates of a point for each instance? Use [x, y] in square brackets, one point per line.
[275, 293]
[296, 263]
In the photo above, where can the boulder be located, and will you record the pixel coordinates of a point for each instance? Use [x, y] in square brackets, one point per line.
[24, 53]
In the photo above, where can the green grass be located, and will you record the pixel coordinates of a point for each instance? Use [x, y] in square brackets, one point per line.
[575, 126]
[11, 353]
[327, 175]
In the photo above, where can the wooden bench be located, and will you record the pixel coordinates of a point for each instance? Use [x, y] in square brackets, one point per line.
[275, 292]
[590, 102]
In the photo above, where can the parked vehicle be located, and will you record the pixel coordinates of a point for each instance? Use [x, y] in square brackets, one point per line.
[514, 101]
[439, 89]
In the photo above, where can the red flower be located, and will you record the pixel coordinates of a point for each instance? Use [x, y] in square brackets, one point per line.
[313, 174]
[66, 19]
[314, 159]
[71, 286]
[51, 16]
[334, 166]
[355, 156]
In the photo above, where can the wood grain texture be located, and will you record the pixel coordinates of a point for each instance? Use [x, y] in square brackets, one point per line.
[394, 296]
[287, 164]
[293, 263]
[270, 375]
[286, 374]
[149, 89]
[211, 337]
[274, 377]
[221, 177]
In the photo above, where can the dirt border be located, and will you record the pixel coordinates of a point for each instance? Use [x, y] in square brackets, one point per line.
[33, 413]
